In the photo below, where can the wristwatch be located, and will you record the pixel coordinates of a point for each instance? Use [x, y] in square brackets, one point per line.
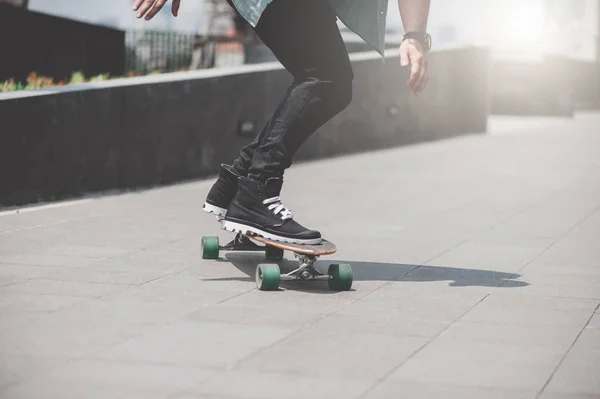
[422, 37]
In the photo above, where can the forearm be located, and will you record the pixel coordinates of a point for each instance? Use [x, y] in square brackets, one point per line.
[414, 14]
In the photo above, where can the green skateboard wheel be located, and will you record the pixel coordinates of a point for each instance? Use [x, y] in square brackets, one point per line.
[210, 247]
[267, 277]
[340, 277]
[273, 253]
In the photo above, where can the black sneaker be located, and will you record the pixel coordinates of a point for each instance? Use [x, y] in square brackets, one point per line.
[222, 192]
[257, 209]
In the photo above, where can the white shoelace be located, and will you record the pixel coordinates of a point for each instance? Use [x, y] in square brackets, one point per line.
[276, 205]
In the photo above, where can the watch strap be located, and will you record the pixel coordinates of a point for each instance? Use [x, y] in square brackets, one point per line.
[422, 37]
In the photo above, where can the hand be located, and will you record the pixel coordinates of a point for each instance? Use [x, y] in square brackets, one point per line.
[158, 5]
[413, 53]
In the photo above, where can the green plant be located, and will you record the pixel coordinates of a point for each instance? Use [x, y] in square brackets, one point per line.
[35, 81]
[100, 78]
[77, 77]
[8, 85]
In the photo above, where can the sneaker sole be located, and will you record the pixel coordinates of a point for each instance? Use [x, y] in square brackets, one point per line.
[215, 210]
[244, 229]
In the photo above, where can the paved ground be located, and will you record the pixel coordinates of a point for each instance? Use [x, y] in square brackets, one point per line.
[477, 265]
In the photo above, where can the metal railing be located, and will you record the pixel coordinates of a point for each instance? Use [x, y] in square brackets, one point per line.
[225, 42]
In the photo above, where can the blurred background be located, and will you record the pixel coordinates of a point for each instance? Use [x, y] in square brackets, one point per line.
[513, 29]
[530, 42]
[533, 58]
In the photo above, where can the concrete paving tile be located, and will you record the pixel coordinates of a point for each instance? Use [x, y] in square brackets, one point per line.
[97, 274]
[43, 286]
[77, 390]
[399, 251]
[500, 258]
[215, 269]
[532, 226]
[34, 259]
[248, 315]
[554, 395]
[571, 269]
[595, 321]
[590, 290]
[397, 292]
[384, 323]
[19, 368]
[575, 380]
[590, 337]
[556, 337]
[132, 264]
[527, 316]
[482, 374]
[582, 252]
[185, 343]
[449, 285]
[459, 276]
[509, 298]
[583, 355]
[185, 282]
[419, 307]
[565, 258]
[472, 352]
[258, 385]
[61, 336]
[16, 302]
[97, 374]
[507, 236]
[132, 312]
[290, 300]
[413, 390]
[345, 355]
[197, 294]
[186, 250]
[89, 251]
[15, 273]
[192, 395]
[537, 275]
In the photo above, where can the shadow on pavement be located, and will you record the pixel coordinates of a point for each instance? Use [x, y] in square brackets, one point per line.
[375, 271]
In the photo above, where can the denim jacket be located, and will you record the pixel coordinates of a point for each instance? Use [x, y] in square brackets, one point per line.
[366, 18]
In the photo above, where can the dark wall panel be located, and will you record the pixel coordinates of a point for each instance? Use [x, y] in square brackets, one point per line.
[55, 47]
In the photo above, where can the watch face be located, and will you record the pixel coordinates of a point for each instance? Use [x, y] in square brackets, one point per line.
[427, 41]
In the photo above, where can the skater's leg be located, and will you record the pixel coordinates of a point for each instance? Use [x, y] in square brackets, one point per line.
[304, 36]
[242, 163]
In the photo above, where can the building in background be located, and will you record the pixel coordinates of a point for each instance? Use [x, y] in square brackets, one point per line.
[512, 28]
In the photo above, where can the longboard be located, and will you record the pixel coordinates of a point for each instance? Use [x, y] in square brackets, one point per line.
[324, 248]
[268, 275]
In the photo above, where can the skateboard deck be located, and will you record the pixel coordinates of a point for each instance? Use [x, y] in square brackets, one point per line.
[324, 248]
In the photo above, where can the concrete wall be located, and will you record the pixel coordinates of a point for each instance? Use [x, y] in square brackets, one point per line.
[583, 81]
[552, 86]
[147, 131]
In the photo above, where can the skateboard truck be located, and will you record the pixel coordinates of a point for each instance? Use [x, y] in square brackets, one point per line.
[306, 271]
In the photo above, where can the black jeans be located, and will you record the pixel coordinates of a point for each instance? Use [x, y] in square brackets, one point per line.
[304, 37]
